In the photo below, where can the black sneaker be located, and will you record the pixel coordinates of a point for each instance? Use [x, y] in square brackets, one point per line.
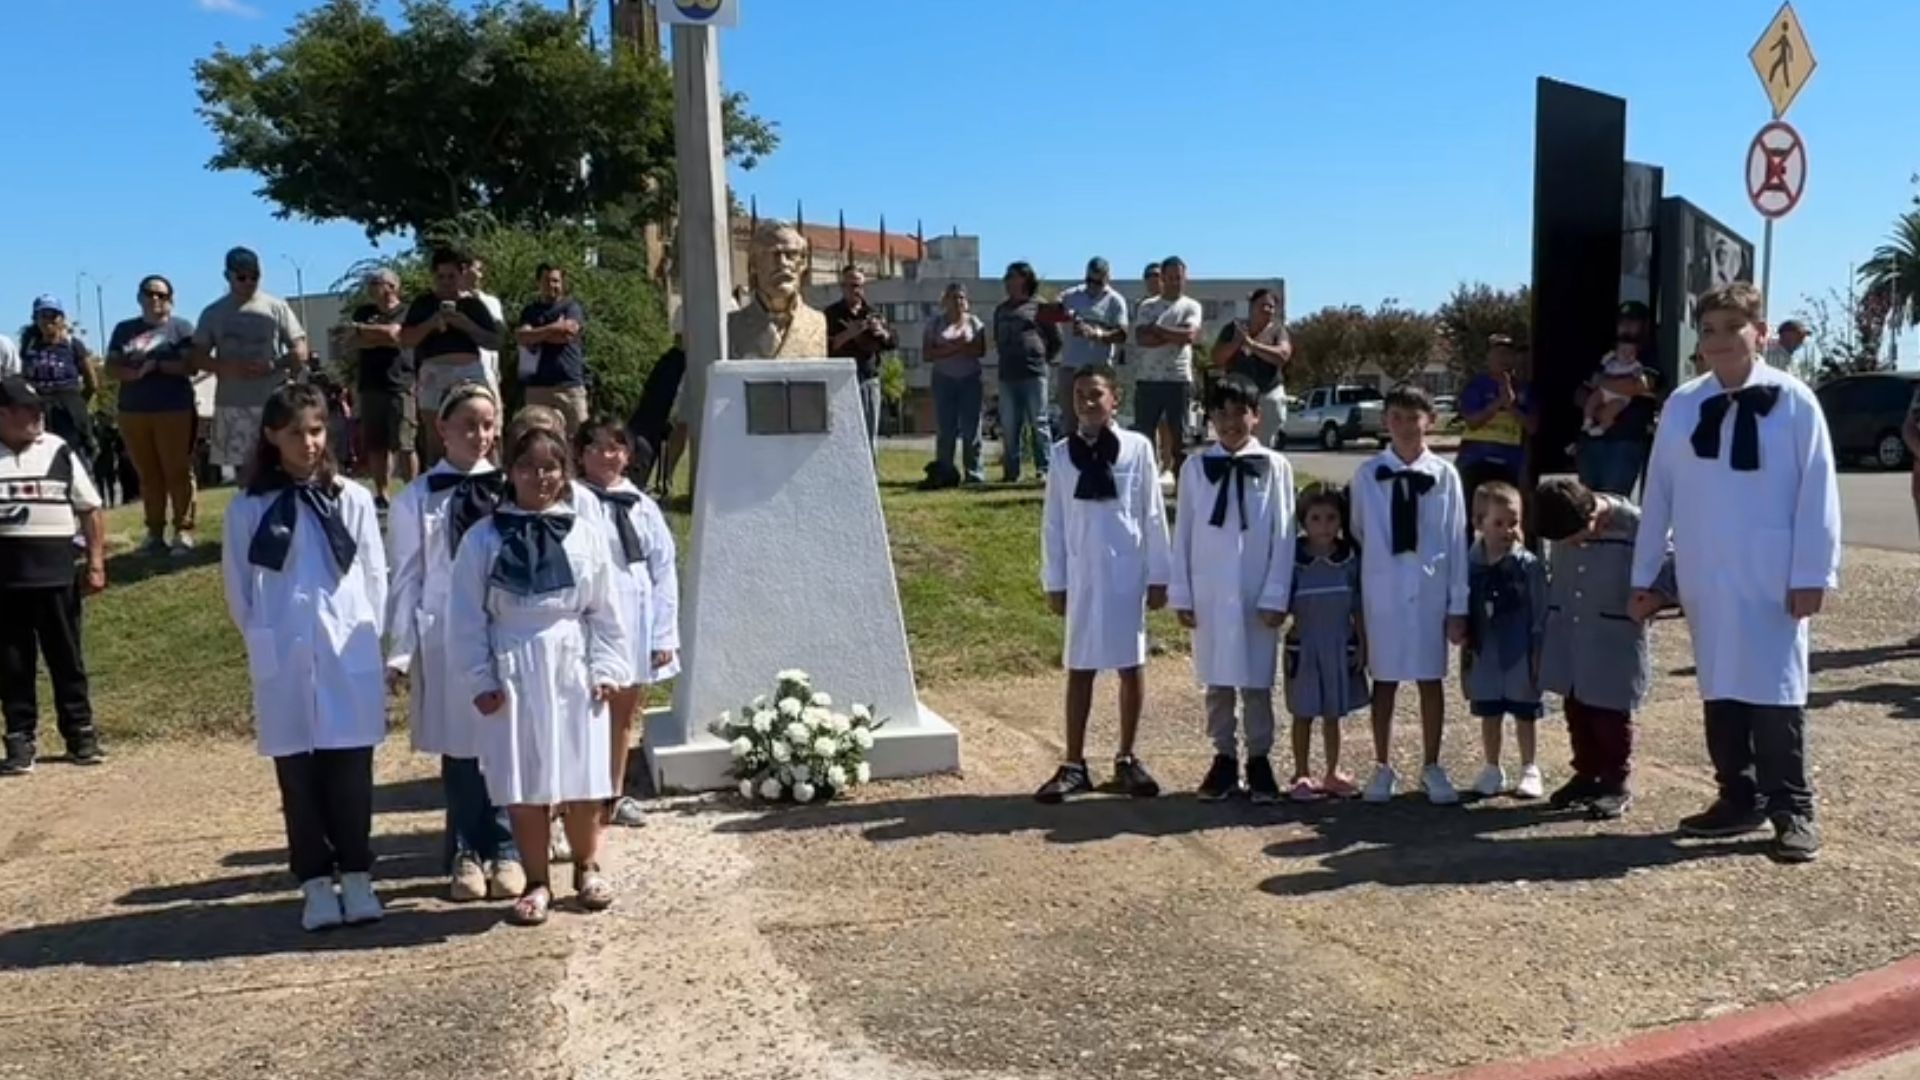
[1796, 839]
[1222, 781]
[1069, 779]
[1576, 792]
[1723, 819]
[85, 750]
[380, 503]
[1133, 778]
[1261, 783]
[1610, 805]
[19, 759]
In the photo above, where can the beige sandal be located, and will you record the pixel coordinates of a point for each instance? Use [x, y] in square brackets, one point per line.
[592, 890]
[533, 906]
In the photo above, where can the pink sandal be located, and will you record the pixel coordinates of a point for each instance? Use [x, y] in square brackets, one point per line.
[533, 906]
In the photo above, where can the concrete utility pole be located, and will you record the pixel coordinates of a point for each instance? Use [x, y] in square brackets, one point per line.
[703, 241]
[300, 287]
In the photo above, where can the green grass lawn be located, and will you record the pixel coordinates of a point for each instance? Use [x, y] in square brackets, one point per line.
[167, 662]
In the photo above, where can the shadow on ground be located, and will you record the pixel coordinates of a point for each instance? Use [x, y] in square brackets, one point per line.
[133, 567]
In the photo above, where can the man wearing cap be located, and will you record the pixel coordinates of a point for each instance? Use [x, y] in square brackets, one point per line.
[57, 364]
[1099, 324]
[1786, 351]
[253, 343]
[1497, 409]
[46, 498]
[384, 380]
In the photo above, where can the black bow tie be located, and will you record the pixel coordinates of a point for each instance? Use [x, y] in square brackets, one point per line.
[1094, 462]
[1232, 471]
[620, 506]
[533, 553]
[1408, 486]
[273, 538]
[475, 495]
[1755, 402]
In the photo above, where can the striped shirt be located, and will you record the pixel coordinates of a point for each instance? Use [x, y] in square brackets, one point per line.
[41, 487]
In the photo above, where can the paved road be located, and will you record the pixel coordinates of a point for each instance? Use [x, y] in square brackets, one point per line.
[1875, 507]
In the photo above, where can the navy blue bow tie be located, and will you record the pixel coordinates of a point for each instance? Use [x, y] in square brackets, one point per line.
[1754, 402]
[1094, 462]
[1232, 471]
[620, 506]
[475, 495]
[273, 537]
[1408, 486]
[533, 553]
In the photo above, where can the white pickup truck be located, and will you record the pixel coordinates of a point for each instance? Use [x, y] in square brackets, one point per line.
[1332, 416]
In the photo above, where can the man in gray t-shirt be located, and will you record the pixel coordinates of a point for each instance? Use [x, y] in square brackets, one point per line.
[253, 343]
[1099, 324]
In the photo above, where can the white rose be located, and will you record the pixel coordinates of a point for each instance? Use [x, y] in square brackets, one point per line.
[763, 721]
[862, 773]
[780, 751]
[791, 675]
[803, 792]
[760, 702]
[746, 789]
[863, 738]
[789, 707]
[770, 788]
[741, 747]
[822, 700]
[802, 774]
[826, 746]
[838, 724]
[721, 726]
[797, 733]
[837, 776]
[861, 712]
[786, 776]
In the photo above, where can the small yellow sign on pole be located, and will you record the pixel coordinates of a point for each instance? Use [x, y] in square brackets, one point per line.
[1783, 59]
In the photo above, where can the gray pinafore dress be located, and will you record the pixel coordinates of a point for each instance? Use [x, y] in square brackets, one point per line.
[1324, 676]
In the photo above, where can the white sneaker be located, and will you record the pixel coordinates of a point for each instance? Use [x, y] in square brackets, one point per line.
[1166, 478]
[322, 911]
[1532, 784]
[1492, 781]
[357, 900]
[1380, 788]
[469, 880]
[1439, 788]
[182, 544]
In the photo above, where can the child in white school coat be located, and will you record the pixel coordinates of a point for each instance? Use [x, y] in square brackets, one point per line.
[1104, 561]
[539, 650]
[424, 529]
[646, 586]
[306, 583]
[1232, 572]
[1410, 520]
[1742, 477]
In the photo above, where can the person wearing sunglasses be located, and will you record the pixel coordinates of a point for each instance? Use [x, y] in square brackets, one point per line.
[252, 341]
[60, 369]
[150, 356]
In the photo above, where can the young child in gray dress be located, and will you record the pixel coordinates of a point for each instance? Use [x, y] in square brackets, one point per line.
[1507, 619]
[1325, 647]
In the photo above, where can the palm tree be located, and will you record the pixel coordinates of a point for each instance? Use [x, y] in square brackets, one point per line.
[1894, 271]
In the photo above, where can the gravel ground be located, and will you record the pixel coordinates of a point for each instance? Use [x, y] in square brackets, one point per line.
[951, 929]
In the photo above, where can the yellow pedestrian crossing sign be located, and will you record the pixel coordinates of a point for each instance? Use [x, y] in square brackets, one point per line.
[1783, 59]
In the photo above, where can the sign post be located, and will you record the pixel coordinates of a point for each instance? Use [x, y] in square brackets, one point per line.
[1777, 160]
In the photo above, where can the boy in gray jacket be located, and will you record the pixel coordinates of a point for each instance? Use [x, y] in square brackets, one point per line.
[1595, 653]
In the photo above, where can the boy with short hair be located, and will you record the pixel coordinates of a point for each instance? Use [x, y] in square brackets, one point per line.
[1594, 655]
[1742, 477]
[1104, 562]
[1410, 520]
[1232, 576]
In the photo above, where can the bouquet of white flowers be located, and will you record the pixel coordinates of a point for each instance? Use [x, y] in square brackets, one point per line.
[793, 745]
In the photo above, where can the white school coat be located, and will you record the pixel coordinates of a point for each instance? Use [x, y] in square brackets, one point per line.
[550, 742]
[312, 634]
[646, 595]
[441, 720]
[1407, 598]
[1741, 540]
[1227, 575]
[1104, 554]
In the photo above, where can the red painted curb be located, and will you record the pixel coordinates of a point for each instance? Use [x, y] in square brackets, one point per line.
[1852, 1023]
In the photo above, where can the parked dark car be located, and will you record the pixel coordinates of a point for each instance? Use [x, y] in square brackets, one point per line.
[1864, 413]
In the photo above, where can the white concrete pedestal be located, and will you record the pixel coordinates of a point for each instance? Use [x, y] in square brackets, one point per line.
[789, 568]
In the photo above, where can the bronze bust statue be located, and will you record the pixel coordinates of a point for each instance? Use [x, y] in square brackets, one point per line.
[777, 323]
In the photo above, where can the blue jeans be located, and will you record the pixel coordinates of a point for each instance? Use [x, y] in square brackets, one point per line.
[870, 406]
[956, 416]
[1023, 406]
[1610, 465]
[475, 826]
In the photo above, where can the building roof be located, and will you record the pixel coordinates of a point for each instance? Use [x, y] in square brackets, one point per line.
[901, 246]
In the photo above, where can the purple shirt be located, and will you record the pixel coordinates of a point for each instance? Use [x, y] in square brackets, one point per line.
[1502, 440]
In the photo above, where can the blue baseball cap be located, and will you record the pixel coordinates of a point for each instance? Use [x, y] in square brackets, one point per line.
[48, 302]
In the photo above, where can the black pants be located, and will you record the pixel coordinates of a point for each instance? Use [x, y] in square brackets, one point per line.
[1760, 756]
[327, 798]
[35, 623]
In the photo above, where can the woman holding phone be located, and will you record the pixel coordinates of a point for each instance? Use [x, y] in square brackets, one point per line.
[447, 329]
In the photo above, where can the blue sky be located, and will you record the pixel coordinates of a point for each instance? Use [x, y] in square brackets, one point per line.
[1359, 150]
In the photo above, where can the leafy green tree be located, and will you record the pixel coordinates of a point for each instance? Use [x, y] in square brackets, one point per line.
[1398, 339]
[1327, 346]
[490, 109]
[1477, 311]
[1893, 272]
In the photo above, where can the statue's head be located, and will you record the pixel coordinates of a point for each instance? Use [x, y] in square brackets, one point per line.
[778, 260]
